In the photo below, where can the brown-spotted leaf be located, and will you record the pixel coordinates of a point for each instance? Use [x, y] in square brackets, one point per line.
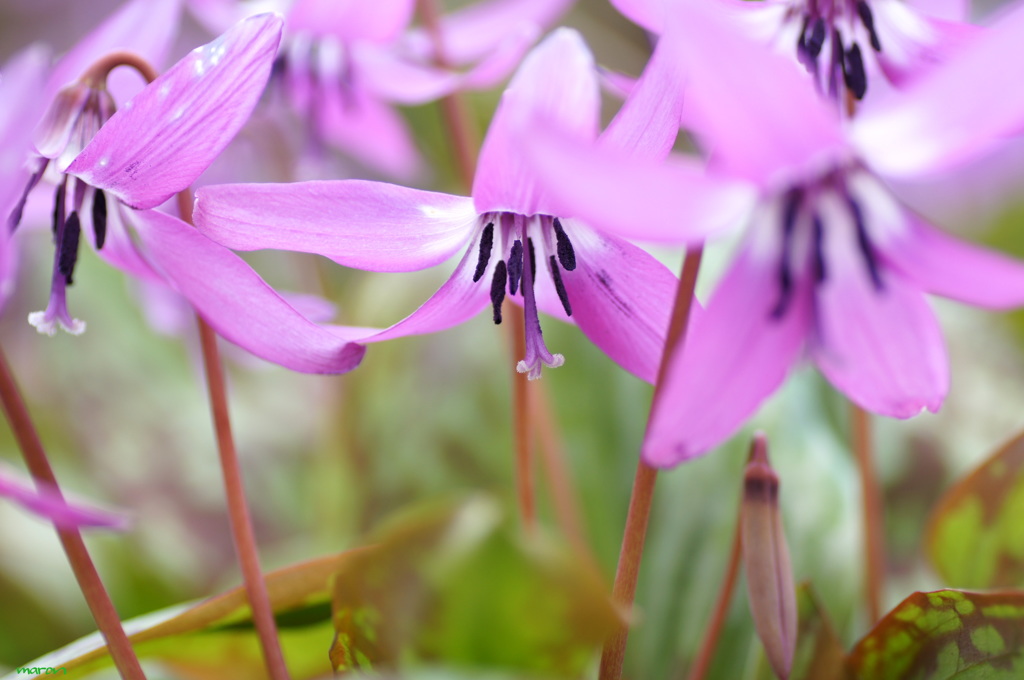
[976, 537]
[819, 653]
[215, 638]
[461, 587]
[944, 635]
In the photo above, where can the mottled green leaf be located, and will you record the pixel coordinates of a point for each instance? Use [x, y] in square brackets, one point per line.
[216, 638]
[819, 653]
[943, 635]
[463, 587]
[975, 538]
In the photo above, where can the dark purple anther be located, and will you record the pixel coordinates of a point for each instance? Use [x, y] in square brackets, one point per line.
[820, 272]
[556, 276]
[816, 39]
[498, 289]
[515, 267]
[69, 247]
[99, 218]
[853, 72]
[868, 19]
[486, 243]
[566, 253]
[864, 244]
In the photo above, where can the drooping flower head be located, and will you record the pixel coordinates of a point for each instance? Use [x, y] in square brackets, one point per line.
[146, 152]
[843, 44]
[832, 263]
[514, 243]
[344, 64]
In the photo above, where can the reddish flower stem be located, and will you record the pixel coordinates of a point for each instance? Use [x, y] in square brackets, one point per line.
[96, 596]
[522, 423]
[552, 458]
[234, 489]
[465, 146]
[628, 571]
[453, 107]
[874, 528]
[706, 653]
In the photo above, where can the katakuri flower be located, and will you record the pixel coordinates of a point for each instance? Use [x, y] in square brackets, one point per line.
[619, 296]
[155, 146]
[343, 64]
[832, 262]
[842, 43]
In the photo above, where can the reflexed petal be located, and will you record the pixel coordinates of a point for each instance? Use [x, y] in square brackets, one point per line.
[144, 27]
[503, 59]
[557, 81]
[472, 32]
[621, 299]
[367, 225]
[355, 122]
[51, 506]
[391, 77]
[352, 20]
[120, 250]
[647, 124]
[164, 138]
[674, 202]
[882, 348]
[237, 303]
[943, 265]
[20, 81]
[741, 97]
[957, 112]
[457, 301]
[735, 355]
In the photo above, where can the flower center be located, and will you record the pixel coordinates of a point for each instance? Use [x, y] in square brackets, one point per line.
[75, 116]
[830, 53]
[831, 208]
[517, 269]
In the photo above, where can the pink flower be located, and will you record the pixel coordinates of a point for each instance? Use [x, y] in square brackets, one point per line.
[344, 64]
[843, 44]
[832, 263]
[154, 147]
[513, 241]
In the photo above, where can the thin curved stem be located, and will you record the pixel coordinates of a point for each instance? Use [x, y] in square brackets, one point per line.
[96, 596]
[628, 570]
[234, 489]
[706, 653]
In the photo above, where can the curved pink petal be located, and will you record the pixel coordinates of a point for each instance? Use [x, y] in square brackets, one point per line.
[351, 20]
[144, 27]
[949, 10]
[471, 32]
[648, 123]
[741, 98]
[49, 504]
[457, 301]
[119, 248]
[675, 201]
[736, 354]
[957, 112]
[359, 124]
[164, 138]
[881, 348]
[943, 265]
[237, 303]
[390, 76]
[20, 81]
[621, 299]
[367, 225]
[556, 81]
